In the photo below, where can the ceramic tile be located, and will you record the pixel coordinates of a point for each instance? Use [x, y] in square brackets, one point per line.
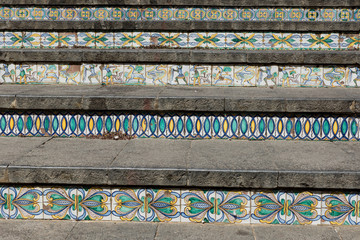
[4, 210]
[353, 128]
[169, 39]
[216, 40]
[193, 211]
[199, 40]
[13, 39]
[312, 76]
[86, 40]
[245, 75]
[232, 207]
[70, 74]
[214, 14]
[268, 207]
[149, 14]
[59, 203]
[67, 39]
[197, 13]
[334, 76]
[200, 75]
[26, 74]
[113, 74]
[178, 74]
[26, 203]
[93, 204]
[50, 40]
[349, 41]
[225, 126]
[267, 76]
[104, 40]
[282, 41]
[307, 128]
[2, 40]
[222, 75]
[328, 14]
[134, 74]
[303, 208]
[312, 14]
[162, 205]
[128, 205]
[353, 74]
[264, 14]
[156, 75]
[141, 39]
[7, 73]
[230, 14]
[281, 14]
[31, 39]
[91, 74]
[289, 76]
[197, 126]
[123, 39]
[345, 15]
[339, 209]
[48, 73]
[249, 41]
[132, 14]
[170, 126]
[335, 128]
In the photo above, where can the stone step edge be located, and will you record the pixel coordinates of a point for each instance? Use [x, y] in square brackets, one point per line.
[177, 56]
[218, 3]
[180, 163]
[186, 99]
[181, 26]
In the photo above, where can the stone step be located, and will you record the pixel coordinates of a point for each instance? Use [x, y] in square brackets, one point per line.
[203, 3]
[180, 99]
[157, 231]
[177, 56]
[183, 164]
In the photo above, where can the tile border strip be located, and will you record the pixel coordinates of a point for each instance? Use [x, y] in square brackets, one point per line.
[180, 205]
[179, 126]
[181, 14]
[182, 40]
[182, 75]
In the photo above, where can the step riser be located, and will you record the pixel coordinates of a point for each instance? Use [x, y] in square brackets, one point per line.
[179, 205]
[182, 125]
[175, 40]
[181, 14]
[182, 75]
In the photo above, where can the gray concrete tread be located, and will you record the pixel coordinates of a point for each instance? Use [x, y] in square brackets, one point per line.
[43, 229]
[43, 25]
[203, 3]
[181, 163]
[203, 99]
[196, 56]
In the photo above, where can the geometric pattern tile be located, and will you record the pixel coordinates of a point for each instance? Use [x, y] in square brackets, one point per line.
[87, 13]
[182, 125]
[208, 40]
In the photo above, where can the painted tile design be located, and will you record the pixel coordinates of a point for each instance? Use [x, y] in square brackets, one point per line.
[180, 205]
[182, 125]
[180, 14]
[208, 40]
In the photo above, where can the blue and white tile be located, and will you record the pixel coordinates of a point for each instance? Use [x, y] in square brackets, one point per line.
[134, 74]
[91, 74]
[49, 40]
[353, 73]
[7, 73]
[86, 39]
[48, 73]
[104, 40]
[13, 39]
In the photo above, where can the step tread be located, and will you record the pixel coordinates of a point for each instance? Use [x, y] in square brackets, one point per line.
[196, 99]
[181, 163]
[177, 56]
[23, 229]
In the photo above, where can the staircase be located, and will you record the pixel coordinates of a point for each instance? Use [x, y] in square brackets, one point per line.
[207, 111]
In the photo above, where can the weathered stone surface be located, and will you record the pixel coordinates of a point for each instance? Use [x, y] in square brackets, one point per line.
[193, 99]
[25, 229]
[205, 56]
[220, 3]
[296, 232]
[184, 163]
[203, 231]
